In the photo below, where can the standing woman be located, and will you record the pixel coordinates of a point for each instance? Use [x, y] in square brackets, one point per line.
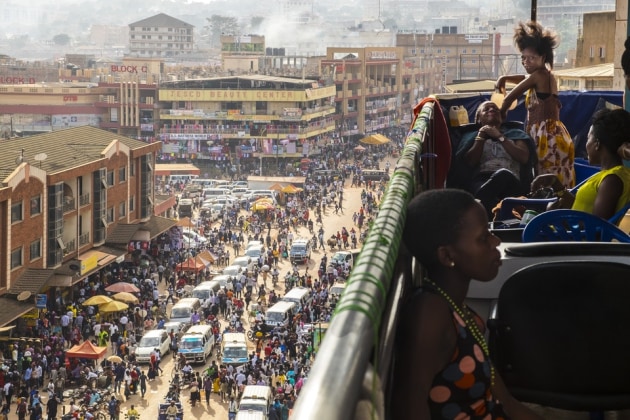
[556, 152]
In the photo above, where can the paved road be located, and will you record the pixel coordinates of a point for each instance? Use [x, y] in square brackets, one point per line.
[157, 389]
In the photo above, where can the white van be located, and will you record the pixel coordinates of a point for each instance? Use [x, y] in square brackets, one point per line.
[214, 192]
[205, 290]
[234, 349]
[183, 309]
[301, 296]
[280, 314]
[197, 343]
[185, 178]
[255, 398]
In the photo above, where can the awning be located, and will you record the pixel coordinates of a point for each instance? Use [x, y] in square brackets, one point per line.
[60, 280]
[5, 329]
[12, 309]
[32, 280]
[157, 225]
[122, 234]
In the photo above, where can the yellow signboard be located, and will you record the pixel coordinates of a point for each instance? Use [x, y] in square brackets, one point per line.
[224, 95]
[32, 314]
[89, 263]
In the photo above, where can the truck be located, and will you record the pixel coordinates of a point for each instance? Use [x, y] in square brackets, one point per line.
[185, 207]
[341, 257]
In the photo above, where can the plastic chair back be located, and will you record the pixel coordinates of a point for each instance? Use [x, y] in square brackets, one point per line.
[572, 225]
[559, 335]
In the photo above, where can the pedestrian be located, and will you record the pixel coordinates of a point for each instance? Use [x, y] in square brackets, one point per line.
[143, 383]
[112, 408]
[36, 412]
[207, 388]
[232, 407]
[21, 408]
[51, 407]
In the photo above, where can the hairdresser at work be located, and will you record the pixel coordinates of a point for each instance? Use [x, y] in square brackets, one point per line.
[606, 192]
[442, 368]
[555, 149]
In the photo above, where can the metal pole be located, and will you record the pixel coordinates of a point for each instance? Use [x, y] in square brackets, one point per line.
[534, 10]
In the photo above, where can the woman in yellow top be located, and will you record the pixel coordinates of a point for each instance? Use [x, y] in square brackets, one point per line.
[556, 152]
[607, 191]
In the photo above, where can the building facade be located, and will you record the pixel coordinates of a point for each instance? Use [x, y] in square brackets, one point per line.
[65, 198]
[244, 119]
[161, 36]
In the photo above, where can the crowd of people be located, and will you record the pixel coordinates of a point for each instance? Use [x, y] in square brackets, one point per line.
[280, 359]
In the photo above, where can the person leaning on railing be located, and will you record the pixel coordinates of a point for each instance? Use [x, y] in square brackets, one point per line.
[606, 192]
[442, 366]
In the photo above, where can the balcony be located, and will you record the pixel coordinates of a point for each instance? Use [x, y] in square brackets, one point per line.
[84, 199]
[70, 247]
[84, 239]
[69, 204]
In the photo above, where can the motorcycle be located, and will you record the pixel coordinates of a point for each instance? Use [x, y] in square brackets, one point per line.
[274, 279]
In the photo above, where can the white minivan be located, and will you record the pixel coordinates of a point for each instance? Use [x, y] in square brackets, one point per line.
[234, 349]
[255, 399]
[197, 343]
[182, 311]
[301, 296]
[280, 314]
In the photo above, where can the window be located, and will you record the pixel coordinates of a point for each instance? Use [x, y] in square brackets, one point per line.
[132, 203]
[132, 168]
[602, 52]
[110, 215]
[16, 258]
[36, 249]
[122, 209]
[16, 212]
[122, 174]
[110, 178]
[36, 205]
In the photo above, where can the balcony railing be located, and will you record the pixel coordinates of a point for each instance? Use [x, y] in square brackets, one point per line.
[70, 247]
[84, 239]
[84, 199]
[69, 204]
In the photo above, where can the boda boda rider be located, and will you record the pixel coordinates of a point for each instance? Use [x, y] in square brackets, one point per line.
[442, 366]
[496, 161]
[607, 191]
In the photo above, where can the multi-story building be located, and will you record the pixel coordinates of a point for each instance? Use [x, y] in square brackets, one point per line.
[161, 36]
[70, 202]
[377, 87]
[595, 45]
[244, 119]
[242, 53]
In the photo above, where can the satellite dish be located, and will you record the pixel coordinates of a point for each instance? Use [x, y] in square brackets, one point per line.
[40, 157]
[24, 296]
[74, 267]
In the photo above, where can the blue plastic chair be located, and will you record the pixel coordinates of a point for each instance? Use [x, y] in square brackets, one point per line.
[572, 226]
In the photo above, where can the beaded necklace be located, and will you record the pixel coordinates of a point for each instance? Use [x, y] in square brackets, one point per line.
[469, 324]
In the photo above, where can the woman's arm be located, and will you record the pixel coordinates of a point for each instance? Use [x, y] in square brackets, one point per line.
[526, 83]
[426, 343]
[608, 195]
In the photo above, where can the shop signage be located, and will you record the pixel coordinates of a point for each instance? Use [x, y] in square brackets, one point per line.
[89, 264]
[40, 301]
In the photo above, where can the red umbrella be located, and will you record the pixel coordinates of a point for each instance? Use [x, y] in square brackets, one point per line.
[122, 286]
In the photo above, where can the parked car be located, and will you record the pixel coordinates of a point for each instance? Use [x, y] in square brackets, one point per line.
[151, 340]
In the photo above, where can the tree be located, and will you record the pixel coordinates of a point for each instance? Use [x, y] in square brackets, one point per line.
[61, 39]
[221, 25]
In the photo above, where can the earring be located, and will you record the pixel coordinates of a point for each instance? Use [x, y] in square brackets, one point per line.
[452, 264]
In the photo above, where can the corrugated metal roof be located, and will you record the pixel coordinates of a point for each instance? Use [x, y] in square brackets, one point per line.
[64, 149]
[162, 20]
[122, 234]
[32, 280]
[12, 309]
[598, 70]
[157, 225]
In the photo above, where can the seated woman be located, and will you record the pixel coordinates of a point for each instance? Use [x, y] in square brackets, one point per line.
[606, 192]
[442, 366]
[496, 161]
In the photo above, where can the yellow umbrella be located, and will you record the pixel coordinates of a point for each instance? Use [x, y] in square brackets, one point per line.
[278, 187]
[97, 300]
[375, 139]
[125, 297]
[291, 189]
[113, 306]
[114, 359]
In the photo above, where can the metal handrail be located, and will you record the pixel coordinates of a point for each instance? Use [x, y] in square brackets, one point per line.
[355, 333]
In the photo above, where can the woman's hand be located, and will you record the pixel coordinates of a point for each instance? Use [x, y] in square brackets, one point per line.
[546, 181]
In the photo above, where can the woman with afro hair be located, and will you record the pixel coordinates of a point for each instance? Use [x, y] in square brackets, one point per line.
[554, 145]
